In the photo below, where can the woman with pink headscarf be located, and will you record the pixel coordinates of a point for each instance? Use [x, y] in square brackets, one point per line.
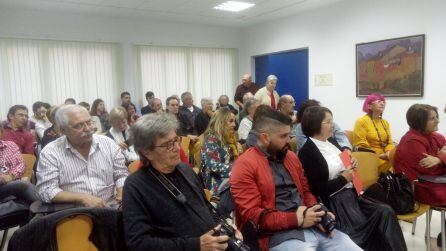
[372, 132]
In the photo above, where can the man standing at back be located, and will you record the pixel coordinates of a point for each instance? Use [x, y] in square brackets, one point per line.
[80, 167]
[150, 107]
[246, 86]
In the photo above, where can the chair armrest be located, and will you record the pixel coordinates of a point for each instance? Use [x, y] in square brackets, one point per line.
[38, 207]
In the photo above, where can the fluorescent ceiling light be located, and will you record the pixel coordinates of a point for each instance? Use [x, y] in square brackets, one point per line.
[234, 6]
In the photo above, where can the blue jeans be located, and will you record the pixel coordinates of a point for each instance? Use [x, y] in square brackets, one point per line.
[316, 241]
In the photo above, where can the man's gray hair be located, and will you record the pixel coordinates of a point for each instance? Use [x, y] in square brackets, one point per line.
[247, 96]
[149, 128]
[204, 101]
[63, 114]
[248, 104]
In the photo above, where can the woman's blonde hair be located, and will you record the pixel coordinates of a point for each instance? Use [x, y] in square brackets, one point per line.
[117, 115]
[217, 125]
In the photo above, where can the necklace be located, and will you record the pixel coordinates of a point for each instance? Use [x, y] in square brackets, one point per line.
[381, 143]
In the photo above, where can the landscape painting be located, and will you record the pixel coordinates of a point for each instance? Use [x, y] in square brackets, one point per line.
[392, 67]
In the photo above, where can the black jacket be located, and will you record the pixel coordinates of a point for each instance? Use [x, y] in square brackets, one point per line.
[146, 110]
[187, 120]
[155, 220]
[201, 122]
[40, 233]
[316, 171]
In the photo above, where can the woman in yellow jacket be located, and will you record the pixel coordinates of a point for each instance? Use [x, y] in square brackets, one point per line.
[372, 132]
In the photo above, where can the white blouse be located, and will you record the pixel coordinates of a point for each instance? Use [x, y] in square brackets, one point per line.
[331, 155]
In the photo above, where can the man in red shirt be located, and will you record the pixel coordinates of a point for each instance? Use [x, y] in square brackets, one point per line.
[269, 189]
[16, 129]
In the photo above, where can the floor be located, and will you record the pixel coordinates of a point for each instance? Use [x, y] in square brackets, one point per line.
[414, 242]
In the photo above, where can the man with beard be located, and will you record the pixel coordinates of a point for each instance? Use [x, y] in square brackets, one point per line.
[15, 129]
[270, 190]
[81, 167]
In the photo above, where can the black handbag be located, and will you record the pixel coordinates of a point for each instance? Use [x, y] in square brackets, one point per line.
[398, 191]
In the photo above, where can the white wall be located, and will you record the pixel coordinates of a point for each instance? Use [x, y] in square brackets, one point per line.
[20, 23]
[331, 33]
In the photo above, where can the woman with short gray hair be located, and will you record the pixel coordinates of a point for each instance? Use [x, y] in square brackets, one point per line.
[267, 95]
[245, 126]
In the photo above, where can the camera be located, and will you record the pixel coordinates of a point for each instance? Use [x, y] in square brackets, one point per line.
[234, 244]
[327, 222]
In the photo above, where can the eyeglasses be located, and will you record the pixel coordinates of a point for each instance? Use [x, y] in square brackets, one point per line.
[330, 122]
[169, 145]
[81, 125]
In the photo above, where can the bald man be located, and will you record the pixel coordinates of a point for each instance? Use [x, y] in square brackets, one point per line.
[286, 106]
[246, 86]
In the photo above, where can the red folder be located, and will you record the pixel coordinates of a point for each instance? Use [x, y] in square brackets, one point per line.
[346, 160]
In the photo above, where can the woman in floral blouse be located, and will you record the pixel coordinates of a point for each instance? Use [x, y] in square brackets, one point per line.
[220, 148]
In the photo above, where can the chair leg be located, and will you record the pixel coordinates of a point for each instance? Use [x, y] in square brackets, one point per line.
[4, 237]
[414, 225]
[428, 230]
[443, 246]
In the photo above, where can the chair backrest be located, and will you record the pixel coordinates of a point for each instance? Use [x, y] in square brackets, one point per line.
[185, 144]
[29, 160]
[133, 167]
[73, 232]
[293, 144]
[349, 135]
[208, 194]
[196, 151]
[367, 167]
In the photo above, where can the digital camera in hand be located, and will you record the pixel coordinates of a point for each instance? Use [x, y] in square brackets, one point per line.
[327, 222]
[234, 244]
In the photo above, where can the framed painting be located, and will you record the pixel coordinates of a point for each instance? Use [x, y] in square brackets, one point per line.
[392, 67]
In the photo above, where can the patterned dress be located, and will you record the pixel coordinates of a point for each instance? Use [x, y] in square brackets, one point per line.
[216, 164]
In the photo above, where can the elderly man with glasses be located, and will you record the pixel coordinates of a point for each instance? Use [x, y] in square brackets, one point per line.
[81, 167]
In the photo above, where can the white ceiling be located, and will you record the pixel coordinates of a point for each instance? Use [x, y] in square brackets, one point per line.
[188, 11]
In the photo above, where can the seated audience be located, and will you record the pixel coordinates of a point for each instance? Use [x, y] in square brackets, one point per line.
[422, 150]
[220, 149]
[132, 116]
[242, 113]
[249, 108]
[223, 101]
[53, 132]
[202, 119]
[85, 105]
[80, 167]
[40, 120]
[269, 190]
[15, 129]
[286, 106]
[70, 101]
[158, 106]
[98, 110]
[338, 134]
[267, 95]
[372, 132]
[125, 98]
[153, 217]
[150, 107]
[12, 168]
[187, 113]
[372, 225]
[120, 133]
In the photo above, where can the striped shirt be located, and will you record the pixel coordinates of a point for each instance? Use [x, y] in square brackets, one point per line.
[11, 161]
[62, 168]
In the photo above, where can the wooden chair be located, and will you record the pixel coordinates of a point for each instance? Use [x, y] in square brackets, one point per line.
[420, 208]
[73, 234]
[367, 167]
[293, 144]
[133, 167]
[29, 160]
[185, 144]
[196, 152]
[208, 194]
[349, 135]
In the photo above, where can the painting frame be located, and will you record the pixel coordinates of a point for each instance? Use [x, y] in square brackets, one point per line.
[392, 67]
